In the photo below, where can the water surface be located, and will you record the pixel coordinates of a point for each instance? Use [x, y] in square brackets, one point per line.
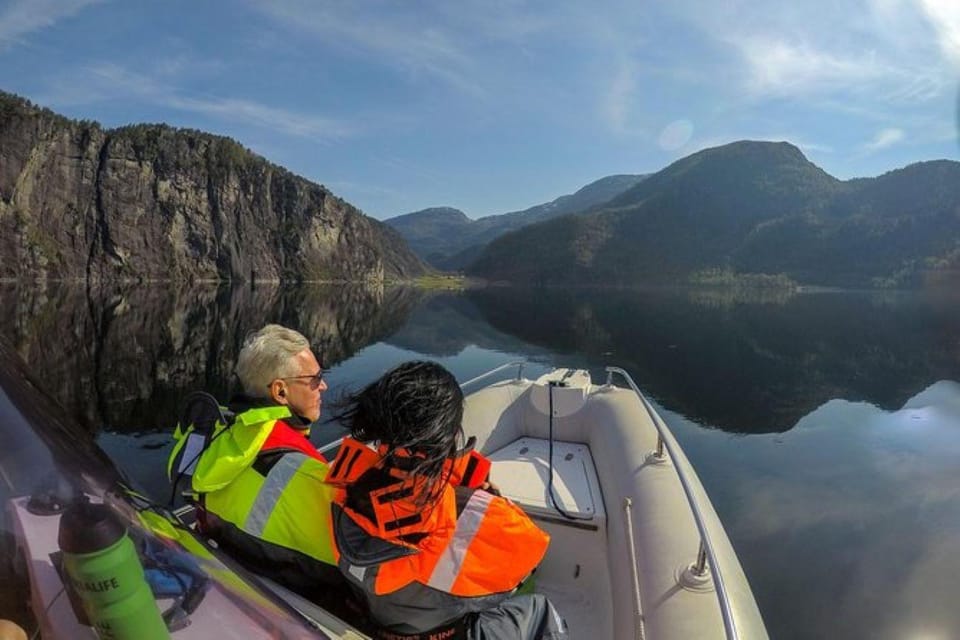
[825, 426]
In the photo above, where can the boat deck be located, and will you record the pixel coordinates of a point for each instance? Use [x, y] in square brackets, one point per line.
[574, 572]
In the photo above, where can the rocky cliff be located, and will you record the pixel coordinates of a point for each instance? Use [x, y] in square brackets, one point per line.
[150, 202]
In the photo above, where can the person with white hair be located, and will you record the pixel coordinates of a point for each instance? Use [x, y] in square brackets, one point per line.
[258, 482]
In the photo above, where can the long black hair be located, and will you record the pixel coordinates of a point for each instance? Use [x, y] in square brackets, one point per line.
[417, 406]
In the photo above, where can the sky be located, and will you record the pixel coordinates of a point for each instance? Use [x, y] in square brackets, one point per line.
[492, 106]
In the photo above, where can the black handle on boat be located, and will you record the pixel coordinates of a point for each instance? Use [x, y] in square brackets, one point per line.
[705, 543]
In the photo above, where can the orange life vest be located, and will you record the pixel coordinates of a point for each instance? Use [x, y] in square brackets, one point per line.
[489, 547]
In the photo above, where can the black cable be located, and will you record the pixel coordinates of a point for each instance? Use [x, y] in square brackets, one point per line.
[556, 503]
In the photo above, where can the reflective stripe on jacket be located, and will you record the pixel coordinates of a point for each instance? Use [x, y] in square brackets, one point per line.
[267, 481]
[485, 545]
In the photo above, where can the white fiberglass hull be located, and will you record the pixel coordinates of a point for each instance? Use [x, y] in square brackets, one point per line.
[612, 488]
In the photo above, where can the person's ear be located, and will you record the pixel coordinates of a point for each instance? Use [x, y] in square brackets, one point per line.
[278, 391]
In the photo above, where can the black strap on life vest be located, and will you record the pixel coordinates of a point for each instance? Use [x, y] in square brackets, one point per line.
[201, 411]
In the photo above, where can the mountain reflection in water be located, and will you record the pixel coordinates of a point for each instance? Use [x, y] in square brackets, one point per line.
[122, 357]
[824, 426]
[848, 526]
[750, 367]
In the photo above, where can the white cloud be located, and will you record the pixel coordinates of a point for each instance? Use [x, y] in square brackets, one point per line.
[618, 102]
[877, 443]
[112, 81]
[121, 80]
[500, 20]
[283, 120]
[778, 67]
[944, 15]
[481, 48]
[510, 54]
[403, 40]
[884, 50]
[885, 138]
[921, 87]
[941, 130]
[23, 17]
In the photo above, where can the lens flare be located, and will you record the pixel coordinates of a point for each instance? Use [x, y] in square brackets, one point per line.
[675, 135]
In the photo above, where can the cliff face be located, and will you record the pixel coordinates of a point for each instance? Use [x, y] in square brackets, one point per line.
[152, 202]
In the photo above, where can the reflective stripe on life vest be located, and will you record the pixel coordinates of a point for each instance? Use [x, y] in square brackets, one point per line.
[270, 491]
[290, 505]
[490, 547]
[452, 558]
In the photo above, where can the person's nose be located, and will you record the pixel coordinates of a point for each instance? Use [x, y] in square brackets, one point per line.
[323, 386]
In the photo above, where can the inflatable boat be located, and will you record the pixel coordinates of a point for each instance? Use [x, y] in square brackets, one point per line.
[636, 549]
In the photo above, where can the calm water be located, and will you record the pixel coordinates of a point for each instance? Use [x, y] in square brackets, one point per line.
[825, 426]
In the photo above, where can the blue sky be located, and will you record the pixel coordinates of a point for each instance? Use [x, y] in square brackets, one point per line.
[496, 105]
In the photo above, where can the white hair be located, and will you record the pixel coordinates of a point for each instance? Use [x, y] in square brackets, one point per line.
[267, 355]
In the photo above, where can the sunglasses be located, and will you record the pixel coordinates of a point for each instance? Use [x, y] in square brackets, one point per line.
[314, 380]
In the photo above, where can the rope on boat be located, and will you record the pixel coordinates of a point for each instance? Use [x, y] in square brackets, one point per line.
[632, 547]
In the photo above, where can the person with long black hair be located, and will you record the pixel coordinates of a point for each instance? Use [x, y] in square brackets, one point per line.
[422, 536]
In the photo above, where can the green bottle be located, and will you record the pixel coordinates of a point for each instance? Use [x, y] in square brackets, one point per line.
[100, 560]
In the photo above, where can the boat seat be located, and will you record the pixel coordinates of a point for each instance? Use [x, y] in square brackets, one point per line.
[521, 471]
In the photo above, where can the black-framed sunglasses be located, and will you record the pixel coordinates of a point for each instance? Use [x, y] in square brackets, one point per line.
[314, 380]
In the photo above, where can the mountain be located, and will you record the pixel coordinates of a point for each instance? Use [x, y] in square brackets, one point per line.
[888, 231]
[430, 232]
[748, 208]
[448, 239]
[151, 202]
